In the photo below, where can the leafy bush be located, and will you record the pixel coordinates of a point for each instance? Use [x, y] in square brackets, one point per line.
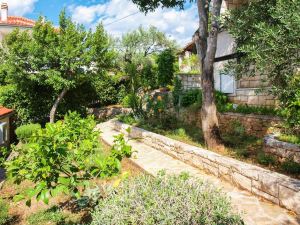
[177, 91]
[4, 153]
[266, 159]
[63, 157]
[4, 216]
[164, 200]
[291, 167]
[190, 97]
[165, 62]
[25, 131]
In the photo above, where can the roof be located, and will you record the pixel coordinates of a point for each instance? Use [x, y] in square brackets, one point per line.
[5, 111]
[18, 21]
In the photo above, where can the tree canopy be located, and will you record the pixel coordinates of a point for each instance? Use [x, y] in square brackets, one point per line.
[54, 60]
[267, 33]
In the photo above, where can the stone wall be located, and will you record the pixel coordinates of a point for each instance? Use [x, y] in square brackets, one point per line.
[252, 97]
[189, 81]
[108, 112]
[255, 125]
[282, 150]
[234, 4]
[277, 188]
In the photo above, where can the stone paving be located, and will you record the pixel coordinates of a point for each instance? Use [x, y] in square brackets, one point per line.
[252, 209]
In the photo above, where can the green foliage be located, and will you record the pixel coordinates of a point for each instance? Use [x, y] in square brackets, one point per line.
[63, 157]
[4, 153]
[237, 128]
[141, 43]
[267, 34]
[26, 131]
[54, 215]
[193, 62]
[177, 91]
[190, 97]
[289, 138]
[266, 159]
[164, 200]
[37, 66]
[149, 6]
[291, 167]
[4, 216]
[165, 62]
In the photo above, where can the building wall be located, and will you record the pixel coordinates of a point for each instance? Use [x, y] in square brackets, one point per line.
[5, 30]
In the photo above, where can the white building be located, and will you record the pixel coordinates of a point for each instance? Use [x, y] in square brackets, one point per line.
[9, 23]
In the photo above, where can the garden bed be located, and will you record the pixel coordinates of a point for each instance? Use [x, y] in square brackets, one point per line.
[275, 187]
[61, 209]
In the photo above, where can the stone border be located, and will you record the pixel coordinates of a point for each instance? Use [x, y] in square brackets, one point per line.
[283, 150]
[277, 188]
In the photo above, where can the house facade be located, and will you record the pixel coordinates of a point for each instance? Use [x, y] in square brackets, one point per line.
[247, 90]
[9, 23]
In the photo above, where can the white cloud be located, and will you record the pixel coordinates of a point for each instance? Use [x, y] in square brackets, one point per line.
[19, 8]
[178, 25]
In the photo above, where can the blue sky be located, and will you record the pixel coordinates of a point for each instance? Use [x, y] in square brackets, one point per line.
[178, 25]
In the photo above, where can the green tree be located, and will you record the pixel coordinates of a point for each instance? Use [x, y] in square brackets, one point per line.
[54, 60]
[267, 33]
[206, 42]
[141, 43]
[165, 62]
[64, 156]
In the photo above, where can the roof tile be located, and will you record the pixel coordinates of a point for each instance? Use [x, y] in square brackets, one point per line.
[18, 21]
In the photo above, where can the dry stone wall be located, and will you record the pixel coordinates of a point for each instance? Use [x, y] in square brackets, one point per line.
[282, 150]
[255, 125]
[277, 188]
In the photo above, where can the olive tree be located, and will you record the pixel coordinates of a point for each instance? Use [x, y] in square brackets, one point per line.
[206, 43]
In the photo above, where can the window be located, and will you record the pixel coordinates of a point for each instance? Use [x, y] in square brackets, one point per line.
[3, 133]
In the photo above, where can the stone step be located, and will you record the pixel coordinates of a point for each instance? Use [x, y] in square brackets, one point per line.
[253, 209]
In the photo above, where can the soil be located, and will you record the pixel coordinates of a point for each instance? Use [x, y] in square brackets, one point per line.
[19, 211]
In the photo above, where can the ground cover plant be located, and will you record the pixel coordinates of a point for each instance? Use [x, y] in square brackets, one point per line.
[289, 138]
[63, 157]
[164, 200]
[4, 216]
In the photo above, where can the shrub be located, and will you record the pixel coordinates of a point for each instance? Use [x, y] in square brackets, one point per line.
[63, 157]
[266, 159]
[165, 63]
[164, 200]
[190, 97]
[24, 132]
[4, 153]
[4, 216]
[291, 167]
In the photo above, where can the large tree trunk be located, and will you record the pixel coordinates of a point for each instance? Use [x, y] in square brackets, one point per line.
[206, 49]
[55, 105]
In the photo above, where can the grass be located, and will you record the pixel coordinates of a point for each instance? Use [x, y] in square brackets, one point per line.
[289, 138]
[50, 216]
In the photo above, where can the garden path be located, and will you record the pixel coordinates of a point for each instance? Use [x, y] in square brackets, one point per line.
[253, 209]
